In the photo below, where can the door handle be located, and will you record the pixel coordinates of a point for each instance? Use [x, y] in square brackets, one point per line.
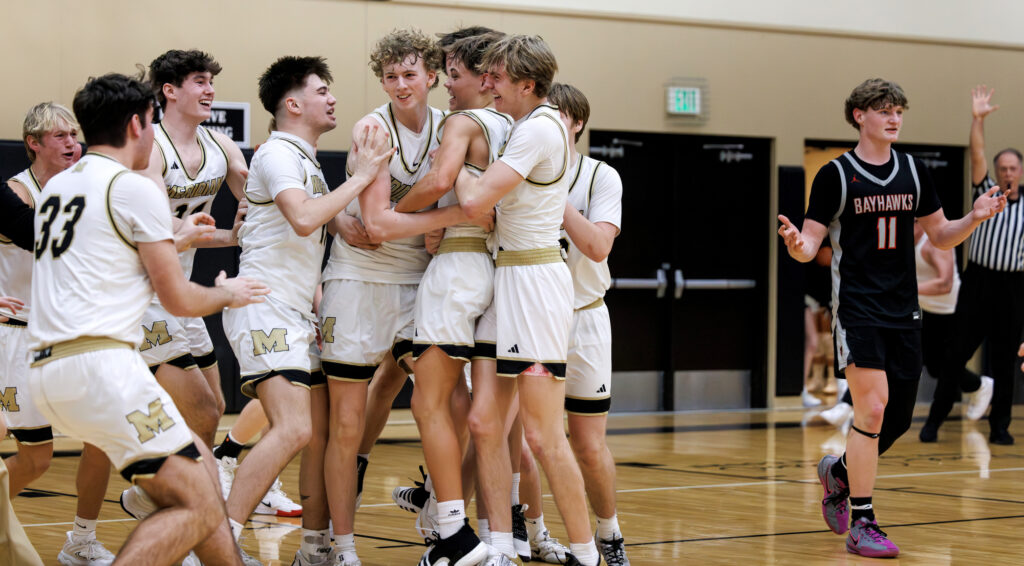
[682, 283]
[659, 283]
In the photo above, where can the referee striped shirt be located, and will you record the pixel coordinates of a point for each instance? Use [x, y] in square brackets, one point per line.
[998, 243]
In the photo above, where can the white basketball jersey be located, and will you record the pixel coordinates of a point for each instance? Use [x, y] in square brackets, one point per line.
[399, 261]
[271, 250]
[530, 216]
[496, 127]
[597, 193]
[189, 195]
[16, 263]
[88, 278]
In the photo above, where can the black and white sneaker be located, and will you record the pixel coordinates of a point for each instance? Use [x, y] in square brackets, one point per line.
[463, 548]
[613, 551]
[520, 539]
[412, 499]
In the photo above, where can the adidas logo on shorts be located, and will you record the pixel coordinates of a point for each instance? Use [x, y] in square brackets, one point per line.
[514, 349]
[602, 389]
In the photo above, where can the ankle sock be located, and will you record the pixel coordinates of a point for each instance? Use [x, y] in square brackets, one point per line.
[451, 515]
[84, 528]
[586, 553]
[861, 507]
[535, 527]
[515, 488]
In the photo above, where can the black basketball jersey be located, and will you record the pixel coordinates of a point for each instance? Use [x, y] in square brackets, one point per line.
[870, 210]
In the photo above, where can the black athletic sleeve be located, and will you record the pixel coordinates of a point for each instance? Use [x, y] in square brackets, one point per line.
[825, 195]
[929, 198]
[16, 219]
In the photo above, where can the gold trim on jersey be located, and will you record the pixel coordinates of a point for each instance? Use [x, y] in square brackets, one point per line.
[202, 151]
[598, 303]
[537, 256]
[450, 245]
[163, 156]
[76, 346]
[479, 122]
[110, 211]
[393, 126]
[561, 128]
[213, 138]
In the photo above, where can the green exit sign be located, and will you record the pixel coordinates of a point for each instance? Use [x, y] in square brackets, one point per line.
[684, 100]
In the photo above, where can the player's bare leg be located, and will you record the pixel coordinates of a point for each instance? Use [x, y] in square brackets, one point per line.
[193, 397]
[541, 405]
[30, 462]
[347, 417]
[287, 407]
[191, 516]
[870, 392]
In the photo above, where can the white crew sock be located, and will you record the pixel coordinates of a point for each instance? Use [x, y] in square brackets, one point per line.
[515, 488]
[315, 542]
[483, 530]
[236, 528]
[586, 553]
[608, 529]
[451, 515]
[535, 527]
[84, 528]
[502, 542]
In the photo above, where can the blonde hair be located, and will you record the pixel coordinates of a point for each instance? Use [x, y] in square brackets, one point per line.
[525, 57]
[42, 118]
[401, 44]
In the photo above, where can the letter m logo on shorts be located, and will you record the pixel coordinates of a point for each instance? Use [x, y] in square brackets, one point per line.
[9, 399]
[156, 336]
[276, 341]
[149, 425]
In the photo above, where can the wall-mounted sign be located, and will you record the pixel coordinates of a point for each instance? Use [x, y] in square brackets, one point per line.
[683, 100]
[232, 120]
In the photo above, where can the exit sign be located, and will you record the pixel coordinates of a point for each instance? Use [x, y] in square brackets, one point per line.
[683, 100]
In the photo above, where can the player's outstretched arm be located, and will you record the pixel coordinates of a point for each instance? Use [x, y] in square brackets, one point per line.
[945, 234]
[802, 246]
[238, 171]
[307, 215]
[184, 298]
[444, 165]
[981, 107]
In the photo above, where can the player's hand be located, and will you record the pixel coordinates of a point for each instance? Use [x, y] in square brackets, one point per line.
[485, 220]
[243, 208]
[981, 97]
[791, 236]
[243, 290]
[354, 233]
[989, 204]
[13, 305]
[198, 227]
[372, 152]
[432, 240]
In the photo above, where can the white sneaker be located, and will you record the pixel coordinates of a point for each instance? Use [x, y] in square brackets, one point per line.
[838, 415]
[193, 560]
[498, 559]
[547, 549]
[87, 552]
[275, 502]
[979, 400]
[137, 503]
[426, 520]
[808, 399]
[346, 559]
[303, 560]
[226, 467]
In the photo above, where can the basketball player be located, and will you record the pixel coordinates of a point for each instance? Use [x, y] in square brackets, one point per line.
[368, 295]
[192, 163]
[532, 293]
[50, 134]
[15, 548]
[283, 241]
[592, 221]
[867, 200]
[103, 245]
[456, 289]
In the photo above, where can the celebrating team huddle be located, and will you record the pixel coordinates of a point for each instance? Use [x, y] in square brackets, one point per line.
[470, 236]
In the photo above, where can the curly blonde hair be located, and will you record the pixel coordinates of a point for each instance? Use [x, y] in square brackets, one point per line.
[401, 44]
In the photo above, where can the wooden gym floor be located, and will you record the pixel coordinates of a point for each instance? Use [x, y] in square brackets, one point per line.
[694, 488]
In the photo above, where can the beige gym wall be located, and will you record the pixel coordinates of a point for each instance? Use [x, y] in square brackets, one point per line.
[780, 83]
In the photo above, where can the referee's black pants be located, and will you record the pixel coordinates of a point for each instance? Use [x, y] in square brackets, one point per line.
[990, 306]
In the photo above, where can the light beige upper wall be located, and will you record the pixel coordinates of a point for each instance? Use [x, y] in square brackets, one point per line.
[785, 84]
